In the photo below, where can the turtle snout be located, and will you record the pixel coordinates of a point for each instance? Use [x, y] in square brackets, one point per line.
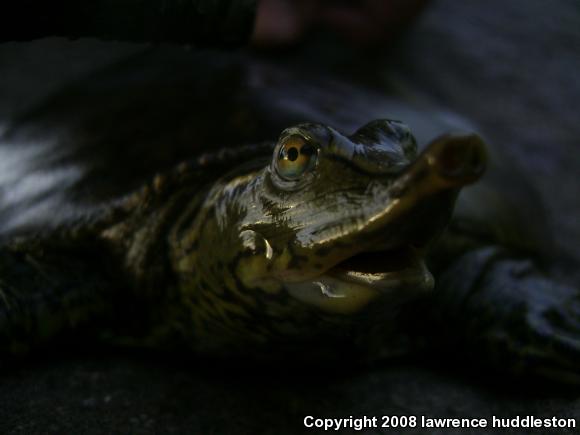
[448, 163]
[460, 159]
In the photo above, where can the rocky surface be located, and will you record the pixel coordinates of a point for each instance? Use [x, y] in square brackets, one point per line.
[510, 66]
[120, 394]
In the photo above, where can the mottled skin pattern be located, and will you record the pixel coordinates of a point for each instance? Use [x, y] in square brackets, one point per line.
[313, 243]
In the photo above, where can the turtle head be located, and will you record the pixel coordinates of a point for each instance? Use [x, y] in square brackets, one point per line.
[346, 219]
[334, 222]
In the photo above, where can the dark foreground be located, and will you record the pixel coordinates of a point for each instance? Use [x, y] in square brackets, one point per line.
[121, 394]
[513, 68]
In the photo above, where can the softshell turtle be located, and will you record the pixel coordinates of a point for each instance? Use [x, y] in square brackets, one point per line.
[302, 222]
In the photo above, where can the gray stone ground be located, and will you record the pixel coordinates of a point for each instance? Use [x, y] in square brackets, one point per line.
[513, 67]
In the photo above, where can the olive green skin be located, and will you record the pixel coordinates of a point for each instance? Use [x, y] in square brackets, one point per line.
[212, 256]
[246, 260]
[237, 247]
[255, 246]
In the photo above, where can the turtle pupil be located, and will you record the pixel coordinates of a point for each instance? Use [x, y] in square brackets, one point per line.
[292, 154]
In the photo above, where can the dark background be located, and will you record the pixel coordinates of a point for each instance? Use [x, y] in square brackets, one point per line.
[512, 67]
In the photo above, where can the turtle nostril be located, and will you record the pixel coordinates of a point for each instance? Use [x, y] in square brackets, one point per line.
[478, 159]
[450, 159]
[461, 158]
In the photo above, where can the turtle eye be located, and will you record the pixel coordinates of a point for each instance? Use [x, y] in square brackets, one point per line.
[295, 157]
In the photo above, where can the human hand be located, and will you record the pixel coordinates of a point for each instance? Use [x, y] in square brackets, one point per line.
[365, 22]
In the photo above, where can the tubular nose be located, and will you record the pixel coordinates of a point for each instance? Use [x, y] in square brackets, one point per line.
[459, 158]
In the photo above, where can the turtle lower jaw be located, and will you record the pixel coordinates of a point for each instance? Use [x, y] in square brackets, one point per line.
[393, 277]
[386, 271]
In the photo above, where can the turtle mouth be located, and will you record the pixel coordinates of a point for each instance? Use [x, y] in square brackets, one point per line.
[396, 276]
[385, 270]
